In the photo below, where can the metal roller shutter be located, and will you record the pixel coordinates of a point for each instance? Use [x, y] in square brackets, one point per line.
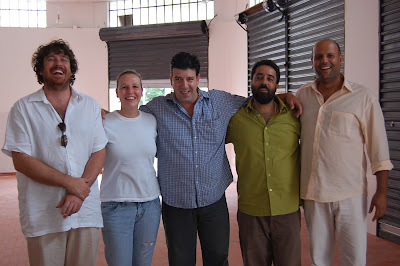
[148, 49]
[266, 40]
[308, 21]
[389, 224]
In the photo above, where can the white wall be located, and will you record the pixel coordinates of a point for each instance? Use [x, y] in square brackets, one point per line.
[362, 58]
[228, 48]
[80, 27]
[227, 54]
[18, 78]
[82, 15]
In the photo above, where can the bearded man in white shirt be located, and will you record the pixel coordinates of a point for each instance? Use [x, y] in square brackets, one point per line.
[340, 121]
[56, 140]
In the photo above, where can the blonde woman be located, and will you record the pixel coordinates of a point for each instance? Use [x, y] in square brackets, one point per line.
[129, 190]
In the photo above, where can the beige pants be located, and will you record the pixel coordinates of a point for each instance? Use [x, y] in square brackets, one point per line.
[76, 247]
[345, 220]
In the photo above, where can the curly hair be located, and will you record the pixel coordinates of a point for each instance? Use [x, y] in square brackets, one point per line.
[58, 47]
[185, 60]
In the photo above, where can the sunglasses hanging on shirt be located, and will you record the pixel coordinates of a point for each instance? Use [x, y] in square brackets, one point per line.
[64, 139]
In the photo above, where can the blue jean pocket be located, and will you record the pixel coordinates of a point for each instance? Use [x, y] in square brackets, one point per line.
[108, 208]
[157, 203]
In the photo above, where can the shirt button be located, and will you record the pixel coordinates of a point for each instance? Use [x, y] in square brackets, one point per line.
[266, 143]
[269, 174]
[270, 189]
[195, 152]
[195, 137]
[267, 159]
[197, 166]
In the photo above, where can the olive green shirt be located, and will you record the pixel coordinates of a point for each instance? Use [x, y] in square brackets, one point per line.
[267, 160]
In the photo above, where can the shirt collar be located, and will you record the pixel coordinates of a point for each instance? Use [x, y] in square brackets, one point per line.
[345, 86]
[39, 96]
[202, 95]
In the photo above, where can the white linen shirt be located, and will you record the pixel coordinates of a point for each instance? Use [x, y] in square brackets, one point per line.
[32, 128]
[337, 136]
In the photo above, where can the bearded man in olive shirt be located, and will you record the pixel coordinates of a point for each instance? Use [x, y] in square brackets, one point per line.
[266, 135]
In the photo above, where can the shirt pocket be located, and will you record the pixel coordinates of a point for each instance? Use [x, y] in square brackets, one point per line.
[210, 131]
[344, 124]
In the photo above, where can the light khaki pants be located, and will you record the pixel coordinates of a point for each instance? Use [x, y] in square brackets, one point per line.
[344, 220]
[76, 247]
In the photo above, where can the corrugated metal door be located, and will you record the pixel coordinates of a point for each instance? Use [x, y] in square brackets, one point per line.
[389, 224]
[266, 40]
[149, 49]
[308, 21]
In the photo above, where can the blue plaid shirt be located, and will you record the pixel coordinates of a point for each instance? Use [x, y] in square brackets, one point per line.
[193, 169]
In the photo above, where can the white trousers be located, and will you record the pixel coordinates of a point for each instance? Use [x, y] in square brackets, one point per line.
[345, 220]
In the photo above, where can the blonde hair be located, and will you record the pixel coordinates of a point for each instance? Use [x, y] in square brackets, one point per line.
[130, 71]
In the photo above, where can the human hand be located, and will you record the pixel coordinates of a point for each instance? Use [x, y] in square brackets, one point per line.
[103, 113]
[70, 204]
[294, 103]
[379, 202]
[78, 187]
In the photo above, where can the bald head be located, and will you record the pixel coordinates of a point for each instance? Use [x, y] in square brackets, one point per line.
[327, 60]
[326, 42]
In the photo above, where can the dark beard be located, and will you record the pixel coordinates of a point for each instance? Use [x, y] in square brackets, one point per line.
[57, 86]
[261, 97]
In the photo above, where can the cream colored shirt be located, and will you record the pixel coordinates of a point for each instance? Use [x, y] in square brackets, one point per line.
[337, 136]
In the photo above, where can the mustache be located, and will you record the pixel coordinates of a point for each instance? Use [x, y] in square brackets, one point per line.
[263, 87]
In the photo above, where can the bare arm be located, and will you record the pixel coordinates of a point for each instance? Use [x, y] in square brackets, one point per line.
[379, 200]
[94, 166]
[44, 174]
[71, 204]
[292, 101]
[103, 113]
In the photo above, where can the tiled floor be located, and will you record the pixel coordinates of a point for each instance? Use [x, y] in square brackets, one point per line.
[13, 248]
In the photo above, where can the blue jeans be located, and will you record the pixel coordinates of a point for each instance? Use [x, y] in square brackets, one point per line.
[130, 231]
